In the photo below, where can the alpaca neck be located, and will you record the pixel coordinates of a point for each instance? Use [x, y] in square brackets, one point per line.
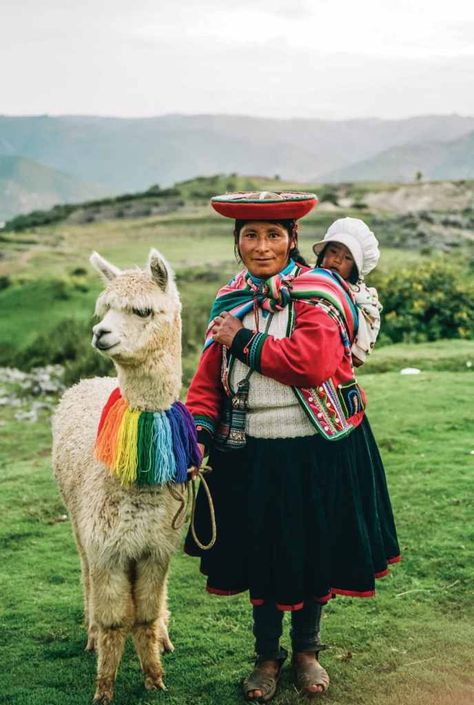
[153, 384]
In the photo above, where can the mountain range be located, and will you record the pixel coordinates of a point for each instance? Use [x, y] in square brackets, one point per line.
[453, 160]
[26, 185]
[103, 155]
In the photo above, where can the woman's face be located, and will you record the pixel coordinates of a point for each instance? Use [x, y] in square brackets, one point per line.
[338, 258]
[264, 247]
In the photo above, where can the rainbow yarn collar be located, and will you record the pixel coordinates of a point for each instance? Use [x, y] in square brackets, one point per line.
[146, 447]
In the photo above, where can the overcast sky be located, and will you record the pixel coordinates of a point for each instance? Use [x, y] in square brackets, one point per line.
[308, 58]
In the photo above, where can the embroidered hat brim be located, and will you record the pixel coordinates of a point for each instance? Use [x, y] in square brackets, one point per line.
[264, 205]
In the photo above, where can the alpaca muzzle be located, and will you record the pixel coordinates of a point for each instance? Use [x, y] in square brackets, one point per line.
[98, 341]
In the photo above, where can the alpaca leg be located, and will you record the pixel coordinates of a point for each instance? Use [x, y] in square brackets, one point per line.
[113, 614]
[88, 608]
[164, 619]
[150, 597]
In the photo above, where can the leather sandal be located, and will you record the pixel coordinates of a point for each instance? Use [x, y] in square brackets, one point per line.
[308, 674]
[259, 680]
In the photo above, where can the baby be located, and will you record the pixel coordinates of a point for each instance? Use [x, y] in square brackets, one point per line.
[351, 250]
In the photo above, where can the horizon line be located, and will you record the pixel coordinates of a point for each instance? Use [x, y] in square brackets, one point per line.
[100, 116]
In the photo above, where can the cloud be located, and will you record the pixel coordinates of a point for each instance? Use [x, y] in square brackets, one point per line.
[311, 58]
[368, 28]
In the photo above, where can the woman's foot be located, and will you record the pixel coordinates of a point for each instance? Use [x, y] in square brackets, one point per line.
[262, 683]
[310, 677]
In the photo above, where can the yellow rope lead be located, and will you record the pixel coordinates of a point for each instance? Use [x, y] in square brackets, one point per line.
[180, 516]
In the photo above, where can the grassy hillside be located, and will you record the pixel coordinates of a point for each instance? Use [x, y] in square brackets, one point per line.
[47, 288]
[411, 645]
[452, 355]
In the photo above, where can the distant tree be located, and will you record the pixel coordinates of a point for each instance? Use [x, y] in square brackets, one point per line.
[329, 196]
[418, 176]
[277, 177]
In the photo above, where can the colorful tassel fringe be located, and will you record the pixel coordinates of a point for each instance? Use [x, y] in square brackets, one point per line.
[145, 447]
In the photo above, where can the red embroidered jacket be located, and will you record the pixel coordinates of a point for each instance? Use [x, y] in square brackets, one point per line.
[311, 360]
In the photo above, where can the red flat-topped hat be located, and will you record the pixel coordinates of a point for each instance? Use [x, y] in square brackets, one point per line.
[264, 205]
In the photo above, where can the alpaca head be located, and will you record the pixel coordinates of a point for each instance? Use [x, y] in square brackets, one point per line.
[139, 310]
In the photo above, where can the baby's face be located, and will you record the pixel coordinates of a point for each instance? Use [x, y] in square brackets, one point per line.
[338, 258]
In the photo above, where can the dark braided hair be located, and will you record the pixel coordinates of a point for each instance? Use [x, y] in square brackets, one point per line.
[289, 225]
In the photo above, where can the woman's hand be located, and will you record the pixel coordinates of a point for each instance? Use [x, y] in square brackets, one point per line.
[225, 328]
[194, 471]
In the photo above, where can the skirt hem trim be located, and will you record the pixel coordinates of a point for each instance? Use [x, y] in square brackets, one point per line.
[321, 600]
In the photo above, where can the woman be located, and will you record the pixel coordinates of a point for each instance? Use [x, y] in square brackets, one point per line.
[301, 502]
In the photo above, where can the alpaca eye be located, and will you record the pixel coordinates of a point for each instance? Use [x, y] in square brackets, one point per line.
[142, 312]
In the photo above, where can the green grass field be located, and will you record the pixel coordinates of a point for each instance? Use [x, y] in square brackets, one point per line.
[411, 645]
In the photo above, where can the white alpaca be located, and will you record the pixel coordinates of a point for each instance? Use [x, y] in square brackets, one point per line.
[123, 534]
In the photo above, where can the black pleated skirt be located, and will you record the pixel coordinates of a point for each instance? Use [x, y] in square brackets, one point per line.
[297, 519]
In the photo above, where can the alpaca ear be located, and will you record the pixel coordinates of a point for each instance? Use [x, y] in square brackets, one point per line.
[160, 270]
[107, 270]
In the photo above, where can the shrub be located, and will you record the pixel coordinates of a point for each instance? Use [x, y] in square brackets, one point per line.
[65, 341]
[204, 193]
[5, 281]
[60, 289]
[427, 302]
[329, 197]
[8, 355]
[168, 192]
[194, 320]
[38, 218]
[87, 363]
[68, 344]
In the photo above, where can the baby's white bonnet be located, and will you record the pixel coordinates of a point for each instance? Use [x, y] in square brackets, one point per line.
[359, 240]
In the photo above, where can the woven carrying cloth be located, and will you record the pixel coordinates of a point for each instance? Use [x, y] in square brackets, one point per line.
[317, 286]
[146, 447]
